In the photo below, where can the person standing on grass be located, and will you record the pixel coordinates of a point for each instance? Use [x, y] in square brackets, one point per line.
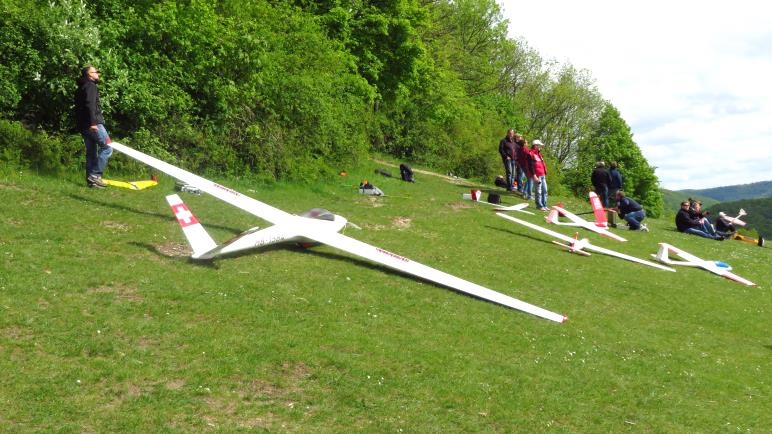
[90, 123]
[521, 172]
[508, 155]
[538, 172]
[600, 181]
[616, 181]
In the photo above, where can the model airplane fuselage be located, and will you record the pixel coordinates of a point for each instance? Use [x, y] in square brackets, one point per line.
[319, 226]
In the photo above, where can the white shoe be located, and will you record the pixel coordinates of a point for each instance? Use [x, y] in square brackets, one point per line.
[644, 228]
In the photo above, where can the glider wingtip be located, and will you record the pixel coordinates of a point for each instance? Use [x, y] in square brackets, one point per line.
[565, 319]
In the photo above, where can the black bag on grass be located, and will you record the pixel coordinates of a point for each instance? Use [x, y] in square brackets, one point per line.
[406, 173]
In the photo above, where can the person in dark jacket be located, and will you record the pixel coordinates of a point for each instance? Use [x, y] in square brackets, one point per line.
[616, 181]
[601, 179]
[509, 156]
[689, 223]
[631, 211]
[90, 123]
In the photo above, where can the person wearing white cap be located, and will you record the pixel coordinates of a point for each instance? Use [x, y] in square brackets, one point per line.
[538, 172]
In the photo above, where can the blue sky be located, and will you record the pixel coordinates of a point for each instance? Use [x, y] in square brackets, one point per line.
[693, 79]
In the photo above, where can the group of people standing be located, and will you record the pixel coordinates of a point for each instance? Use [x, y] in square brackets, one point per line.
[526, 171]
[606, 182]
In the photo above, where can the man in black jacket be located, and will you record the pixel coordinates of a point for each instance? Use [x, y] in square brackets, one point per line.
[90, 123]
[689, 223]
[508, 156]
[601, 179]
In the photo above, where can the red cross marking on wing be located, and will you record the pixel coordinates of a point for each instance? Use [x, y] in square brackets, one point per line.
[184, 216]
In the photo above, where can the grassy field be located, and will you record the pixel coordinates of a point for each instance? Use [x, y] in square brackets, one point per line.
[106, 326]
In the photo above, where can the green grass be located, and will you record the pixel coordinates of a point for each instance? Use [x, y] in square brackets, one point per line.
[106, 326]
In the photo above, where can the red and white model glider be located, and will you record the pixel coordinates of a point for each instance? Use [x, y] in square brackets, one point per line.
[600, 225]
[317, 226]
[577, 246]
[690, 260]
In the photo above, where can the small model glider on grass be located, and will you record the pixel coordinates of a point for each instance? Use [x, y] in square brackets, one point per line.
[475, 197]
[689, 260]
[316, 226]
[577, 246]
[600, 225]
[132, 185]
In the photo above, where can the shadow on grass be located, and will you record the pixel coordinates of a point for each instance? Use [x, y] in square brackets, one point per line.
[510, 232]
[165, 217]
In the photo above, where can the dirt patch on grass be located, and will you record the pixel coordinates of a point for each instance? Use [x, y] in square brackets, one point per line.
[174, 249]
[120, 292]
[123, 227]
[15, 333]
[460, 205]
[176, 384]
[401, 222]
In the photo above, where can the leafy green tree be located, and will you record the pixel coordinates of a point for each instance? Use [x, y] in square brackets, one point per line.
[612, 140]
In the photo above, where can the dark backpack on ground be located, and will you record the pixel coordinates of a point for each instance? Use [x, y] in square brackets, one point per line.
[494, 198]
[500, 182]
[406, 173]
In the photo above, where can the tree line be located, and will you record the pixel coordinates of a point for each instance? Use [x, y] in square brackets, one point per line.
[298, 89]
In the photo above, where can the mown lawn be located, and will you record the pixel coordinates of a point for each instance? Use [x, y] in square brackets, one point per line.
[106, 326]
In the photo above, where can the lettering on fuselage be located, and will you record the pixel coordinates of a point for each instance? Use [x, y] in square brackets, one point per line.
[393, 255]
[233, 192]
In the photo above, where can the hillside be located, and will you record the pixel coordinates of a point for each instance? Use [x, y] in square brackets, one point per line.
[756, 190]
[759, 211]
[673, 199]
[107, 326]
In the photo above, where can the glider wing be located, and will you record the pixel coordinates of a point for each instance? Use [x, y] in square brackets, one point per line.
[246, 203]
[400, 263]
[588, 225]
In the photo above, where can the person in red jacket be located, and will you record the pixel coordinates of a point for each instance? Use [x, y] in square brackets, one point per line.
[538, 172]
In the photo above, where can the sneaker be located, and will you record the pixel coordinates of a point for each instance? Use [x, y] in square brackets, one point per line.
[96, 180]
[94, 185]
[644, 228]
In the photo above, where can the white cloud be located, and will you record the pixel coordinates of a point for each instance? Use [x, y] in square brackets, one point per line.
[693, 79]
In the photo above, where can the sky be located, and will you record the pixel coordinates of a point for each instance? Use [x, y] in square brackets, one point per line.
[692, 79]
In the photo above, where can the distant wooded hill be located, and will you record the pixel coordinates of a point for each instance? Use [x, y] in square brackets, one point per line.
[712, 196]
[759, 211]
[757, 190]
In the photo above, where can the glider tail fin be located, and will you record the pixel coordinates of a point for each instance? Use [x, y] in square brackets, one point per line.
[552, 217]
[199, 239]
[597, 209]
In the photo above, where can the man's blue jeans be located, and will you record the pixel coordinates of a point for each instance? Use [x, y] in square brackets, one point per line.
[634, 219]
[695, 231]
[520, 177]
[540, 195]
[97, 150]
[509, 168]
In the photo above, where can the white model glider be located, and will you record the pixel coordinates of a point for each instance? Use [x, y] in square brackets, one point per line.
[577, 246]
[600, 225]
[690, 260]
[318, 226]
[475, 195]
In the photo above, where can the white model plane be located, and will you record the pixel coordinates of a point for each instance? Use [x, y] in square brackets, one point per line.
[577, 246]
[600, 225]
[690, 260]
[317, 226]
[475, 197]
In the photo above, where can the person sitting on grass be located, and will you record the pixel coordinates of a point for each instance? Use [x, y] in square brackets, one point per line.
[688, 222]
[631, 211]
